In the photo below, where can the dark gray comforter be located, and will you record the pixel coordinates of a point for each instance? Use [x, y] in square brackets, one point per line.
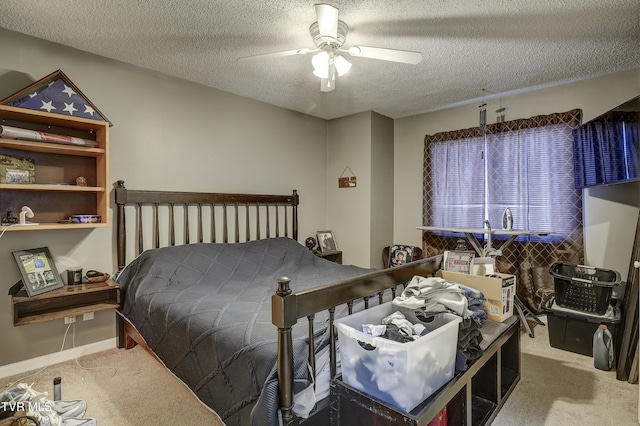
[205, 310]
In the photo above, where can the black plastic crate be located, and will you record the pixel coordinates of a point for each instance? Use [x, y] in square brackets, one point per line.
[573, 330]
[583, 288]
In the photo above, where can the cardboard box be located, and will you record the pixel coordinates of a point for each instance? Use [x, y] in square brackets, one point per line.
[499, 290]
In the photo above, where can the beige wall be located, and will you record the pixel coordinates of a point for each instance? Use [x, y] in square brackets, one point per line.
[381, 187]
[349, 211]
[610, 213]
[361, 217]
[168, 134]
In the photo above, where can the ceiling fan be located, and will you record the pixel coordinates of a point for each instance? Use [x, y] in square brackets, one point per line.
[329, 34]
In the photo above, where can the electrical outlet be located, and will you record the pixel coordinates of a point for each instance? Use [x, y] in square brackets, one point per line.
[88, 316]
[69, 320]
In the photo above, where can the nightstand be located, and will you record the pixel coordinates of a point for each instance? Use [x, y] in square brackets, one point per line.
[69, 300]
[333, 255]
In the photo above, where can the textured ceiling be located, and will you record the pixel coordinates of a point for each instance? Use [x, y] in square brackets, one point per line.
[503, 46]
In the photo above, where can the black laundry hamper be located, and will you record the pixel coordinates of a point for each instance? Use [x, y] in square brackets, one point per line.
[583, 288]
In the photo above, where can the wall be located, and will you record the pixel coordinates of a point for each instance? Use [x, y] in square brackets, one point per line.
[381, 187]
[361, 217]
[610, 213]
[168, 134]
[349, 214]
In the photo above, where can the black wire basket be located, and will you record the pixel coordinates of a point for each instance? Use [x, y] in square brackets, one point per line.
[583, 288]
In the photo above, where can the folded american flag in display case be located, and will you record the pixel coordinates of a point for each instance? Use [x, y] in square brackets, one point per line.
[59, 98]
[56, 94]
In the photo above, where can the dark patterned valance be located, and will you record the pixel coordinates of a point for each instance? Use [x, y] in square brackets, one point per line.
[573, 118]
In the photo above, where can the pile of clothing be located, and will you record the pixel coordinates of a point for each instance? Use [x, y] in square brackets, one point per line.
[430, 295]
[38, 409]
[396, 327]
[387, 372]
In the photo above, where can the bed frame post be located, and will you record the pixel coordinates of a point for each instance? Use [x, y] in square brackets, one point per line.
[121, 198]
[294, 205]
[121, 232]
[280, 318]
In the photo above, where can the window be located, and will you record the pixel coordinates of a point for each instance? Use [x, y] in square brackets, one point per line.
[526, 165]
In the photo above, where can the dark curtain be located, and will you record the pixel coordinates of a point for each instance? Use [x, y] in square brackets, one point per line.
[607, 149]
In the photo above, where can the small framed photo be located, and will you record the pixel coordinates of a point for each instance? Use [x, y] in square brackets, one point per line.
[326, 241]
[39, 273]
[458, 261]
[399, 255]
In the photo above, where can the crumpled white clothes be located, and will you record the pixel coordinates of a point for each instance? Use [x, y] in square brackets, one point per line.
[399, 320]
[375, 330]
[47, 412]
[305, 400]
[434, 294]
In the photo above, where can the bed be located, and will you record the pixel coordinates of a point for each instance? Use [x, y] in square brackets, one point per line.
[218, 289]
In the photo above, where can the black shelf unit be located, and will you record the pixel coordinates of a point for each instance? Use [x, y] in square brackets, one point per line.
[484, 387]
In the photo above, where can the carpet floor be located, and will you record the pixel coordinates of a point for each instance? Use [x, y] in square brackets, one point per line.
[130, 388]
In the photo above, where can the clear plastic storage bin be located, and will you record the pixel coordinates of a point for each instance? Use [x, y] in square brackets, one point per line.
[401, 374]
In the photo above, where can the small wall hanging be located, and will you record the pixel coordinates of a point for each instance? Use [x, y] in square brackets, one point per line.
[348, 181]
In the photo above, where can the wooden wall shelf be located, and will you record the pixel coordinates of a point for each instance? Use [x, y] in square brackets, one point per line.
[66, 301]
[55, 196]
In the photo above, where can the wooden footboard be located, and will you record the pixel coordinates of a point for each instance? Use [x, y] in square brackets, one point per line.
[288, 307]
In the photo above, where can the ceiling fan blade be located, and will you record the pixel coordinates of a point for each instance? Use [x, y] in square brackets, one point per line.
[327, 20]
[403, 56]
[302, 51]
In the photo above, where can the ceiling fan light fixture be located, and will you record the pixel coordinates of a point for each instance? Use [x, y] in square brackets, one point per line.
[342, 65]
[320, 64]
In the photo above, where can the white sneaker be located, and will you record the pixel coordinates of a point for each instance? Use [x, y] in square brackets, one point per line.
[22, 392]
[51, 418]
[49, 413]
[79, 422]
[70, 409]
[46, 418]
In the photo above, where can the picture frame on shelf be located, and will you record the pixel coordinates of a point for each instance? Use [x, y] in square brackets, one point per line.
[326, 241]
[17, 170]
[38, 270]
[399, 255]
[458, 261]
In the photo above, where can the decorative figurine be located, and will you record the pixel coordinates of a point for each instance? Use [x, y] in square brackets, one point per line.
[310, 243]
[81, 181]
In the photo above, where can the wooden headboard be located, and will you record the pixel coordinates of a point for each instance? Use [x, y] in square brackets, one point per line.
[217, 217]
